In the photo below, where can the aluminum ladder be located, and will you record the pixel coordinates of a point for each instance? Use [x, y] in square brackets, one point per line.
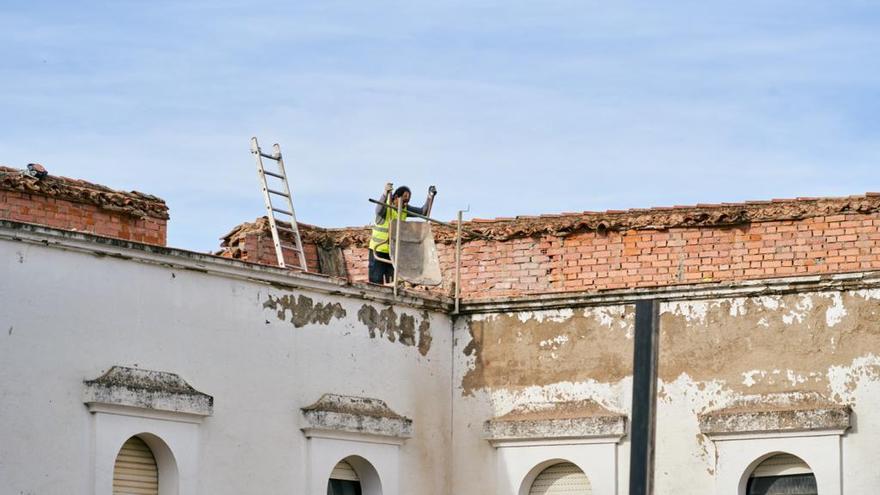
[281, 247]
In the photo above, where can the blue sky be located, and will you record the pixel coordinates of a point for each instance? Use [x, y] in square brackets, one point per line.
[513, 108]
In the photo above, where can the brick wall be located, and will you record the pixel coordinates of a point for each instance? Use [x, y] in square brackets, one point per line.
[591, 261]
[78, 205]
[648, 248]
[261, 249]
[253, 242]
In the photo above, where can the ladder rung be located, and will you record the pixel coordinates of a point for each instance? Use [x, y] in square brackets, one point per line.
[271, 157]
[289, 248]
[273, 174]
[273, 191]
[285, 229]
[279, 210]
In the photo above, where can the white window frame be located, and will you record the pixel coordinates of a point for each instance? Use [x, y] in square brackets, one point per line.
[805, 425]
[738, 456]
[167, 422]
[362, 431]
[525, 448]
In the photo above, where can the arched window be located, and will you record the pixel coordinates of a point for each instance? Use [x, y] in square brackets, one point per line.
[782, 474]
[344, 480]
[135, 471]
[561, 479]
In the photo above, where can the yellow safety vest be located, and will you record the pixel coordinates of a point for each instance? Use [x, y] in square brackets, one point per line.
[379, 238]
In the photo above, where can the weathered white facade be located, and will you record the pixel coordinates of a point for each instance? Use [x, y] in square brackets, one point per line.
[746, 371]
[263, 344]
[304, 371]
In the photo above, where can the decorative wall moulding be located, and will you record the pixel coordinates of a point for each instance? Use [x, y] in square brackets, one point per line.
[123, 388]
[777, 413]
[341, 416]
[565, 422]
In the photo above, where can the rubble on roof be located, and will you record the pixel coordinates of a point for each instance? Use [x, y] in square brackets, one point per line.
[132, 203]
[661, 218]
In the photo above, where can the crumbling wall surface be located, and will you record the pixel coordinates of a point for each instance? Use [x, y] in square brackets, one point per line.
[714, 354]
[590, 251]
[73, 204]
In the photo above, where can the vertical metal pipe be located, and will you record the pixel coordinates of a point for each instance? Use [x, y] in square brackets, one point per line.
[397, 242]
[458, 261]
[644, 398]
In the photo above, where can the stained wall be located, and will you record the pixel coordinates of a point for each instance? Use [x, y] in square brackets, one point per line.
[715, 351]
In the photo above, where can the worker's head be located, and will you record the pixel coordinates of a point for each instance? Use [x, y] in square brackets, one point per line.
[403, 193]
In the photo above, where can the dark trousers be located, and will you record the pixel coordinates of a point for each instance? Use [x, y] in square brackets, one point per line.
[380, 272]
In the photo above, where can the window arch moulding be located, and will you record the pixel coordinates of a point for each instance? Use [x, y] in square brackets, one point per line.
[556, 422]
[362, 430]
[146, 393]
[532, 437]
[777, 414]
[159, 407]
[803, 424]
[355, 418]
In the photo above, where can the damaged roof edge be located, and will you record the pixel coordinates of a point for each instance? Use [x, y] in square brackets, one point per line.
[132, 203]
[171, 257]
[215, 265]
[561, 224]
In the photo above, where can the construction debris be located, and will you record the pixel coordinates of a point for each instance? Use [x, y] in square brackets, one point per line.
[661, 218]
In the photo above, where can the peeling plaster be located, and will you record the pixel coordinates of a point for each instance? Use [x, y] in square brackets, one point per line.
[868, 294]
[509, 353]
[835, 313]
[738, 306]
[611, 396]
[303, 310]
[713, 354]
[690, 310]
[845, 380]
[397, 328]
[768, 302]
[553, 343]
[801, 310]
[557, 315]
[707, 340]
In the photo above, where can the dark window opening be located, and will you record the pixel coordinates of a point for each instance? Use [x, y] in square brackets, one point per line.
[798, 484]
[343, 487]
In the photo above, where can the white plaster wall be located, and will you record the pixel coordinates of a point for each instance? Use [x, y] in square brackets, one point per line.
[383, 463]
[174, 444]
[67, 316]
[738, 458]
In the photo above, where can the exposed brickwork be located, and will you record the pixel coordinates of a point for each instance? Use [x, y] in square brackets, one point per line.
[78, 205]
[253, 242]
[591, 261]
[660, 247]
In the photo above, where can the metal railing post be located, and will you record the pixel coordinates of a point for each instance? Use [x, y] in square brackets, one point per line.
[397, 242]
[458, 262]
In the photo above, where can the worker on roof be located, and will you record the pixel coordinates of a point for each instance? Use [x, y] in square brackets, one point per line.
[381, 269]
